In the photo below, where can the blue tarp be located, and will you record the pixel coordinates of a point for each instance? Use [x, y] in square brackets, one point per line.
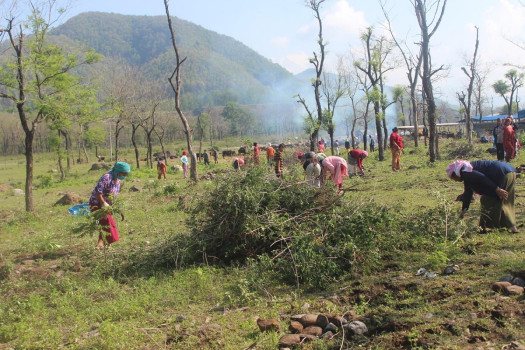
[79, 209]
[490, 118]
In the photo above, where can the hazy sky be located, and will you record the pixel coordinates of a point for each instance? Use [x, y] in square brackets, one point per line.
[285, 31]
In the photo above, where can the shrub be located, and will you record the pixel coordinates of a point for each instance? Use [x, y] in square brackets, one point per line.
[46, 181]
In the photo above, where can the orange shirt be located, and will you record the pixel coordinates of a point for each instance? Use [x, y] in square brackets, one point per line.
[270, 152]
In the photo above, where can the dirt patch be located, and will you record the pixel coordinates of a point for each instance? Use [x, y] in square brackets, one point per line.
[4, 187]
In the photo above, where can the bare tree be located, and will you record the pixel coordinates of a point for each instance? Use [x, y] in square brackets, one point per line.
[355, 81]
[318, 63]
[466, 99]
[333, 91]
[428, 27]
[413, 64]
[175, 81]
[479, 98]
[375, 55]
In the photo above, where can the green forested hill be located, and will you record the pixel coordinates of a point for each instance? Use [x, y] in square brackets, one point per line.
[216, 63]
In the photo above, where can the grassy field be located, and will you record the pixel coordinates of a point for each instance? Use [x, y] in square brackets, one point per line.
[58, 292]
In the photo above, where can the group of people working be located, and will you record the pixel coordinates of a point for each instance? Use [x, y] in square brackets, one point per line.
[493, 180]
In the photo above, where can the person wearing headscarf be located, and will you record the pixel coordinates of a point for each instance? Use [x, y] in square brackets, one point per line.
[238, 163]
[320, 146]
[185, 163]
[509, 140]
[104, 195]
[337, 167]
[396, 147]
[355, 161]
[161, 169]
[494, 181]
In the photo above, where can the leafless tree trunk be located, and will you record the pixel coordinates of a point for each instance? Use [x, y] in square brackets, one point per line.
[422, 8]
[466, 100]
[201, 134]
[160, 136]
[134, 126]
[176, 87]
[333, 91]
[318, 63]
[83, 143]
[118, 128]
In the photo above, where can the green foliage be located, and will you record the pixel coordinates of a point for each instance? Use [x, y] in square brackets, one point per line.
[168, 190]
[306, 236]
[95, 135]
[46, 181]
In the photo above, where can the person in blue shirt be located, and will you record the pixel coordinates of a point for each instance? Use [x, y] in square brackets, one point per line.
[494, 181]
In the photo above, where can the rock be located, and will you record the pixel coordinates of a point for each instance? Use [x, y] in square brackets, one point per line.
[296, 327]
[305, 307]
[99, 166]
[28, 262]
[309, 320]
[52, 171]
[296, 317]
[135, 188]
[500, 286]
[327, 335]
[322, 321]
[268, 325]
[289, 340]
[507, 278]
[450, 270]
[180, 318]
[69, 199]
[421, 271]
[313, 330]
[356, 328]
[18, 192]
[176, 168]
[330, 328]
[514, 290]
[293, 339]
[518, 281]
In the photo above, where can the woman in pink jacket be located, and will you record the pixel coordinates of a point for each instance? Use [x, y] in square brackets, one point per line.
[338, 169]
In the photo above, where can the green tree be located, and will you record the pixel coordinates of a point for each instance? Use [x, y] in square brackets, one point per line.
[508, 90]
[34, 78]
[241, 121]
